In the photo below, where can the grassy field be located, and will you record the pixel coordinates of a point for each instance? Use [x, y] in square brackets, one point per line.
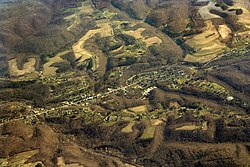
[149, 131]
[142, 42]
[118, 49]
[214, 39]
[204, 11]
[139, 109]
[28, 67]
[245, 17]
[205, 126]
[20, 159]
[104, 29]
[138, 35]
[211, 87]
[60, 162]
[75, 19]
[82, 53]
[48, 69]
[128, 128]
[224, 31]
[153, 40]
[207, 44]
[189, 127]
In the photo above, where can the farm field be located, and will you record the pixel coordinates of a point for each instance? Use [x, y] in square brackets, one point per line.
[245, 17]
[28, 67]
[20, 159]
[205, 11]
[207, 44]
[104, 29]
[148, 40]
[110, 83]
[75, 19]
[188, 127]
[215, 40]
[48, 68]
[138, 109]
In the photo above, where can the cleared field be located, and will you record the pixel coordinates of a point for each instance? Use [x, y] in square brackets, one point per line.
[211, 87]
[118, 49]
[142, 108]
[105, 28]
[156, 122]
[209, 35]
[28, 67]
[20, 159]
[128, 128]
[244, 18]
[208, 44]
[82, 53]
[204, 126]
[245, 35]
[48, 69]
[138, 35]
[127, 112]
[61, 163]
[75, 18]
[153, 40]
[224, 31]
[203, 59]
[188, 127]
[87, 7]
[148, 132]
[78, 49]
[204, 11]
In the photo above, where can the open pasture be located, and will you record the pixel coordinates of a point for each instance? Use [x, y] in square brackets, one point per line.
[48, 69]
[208, 45]
[82, 53]
[28, 67]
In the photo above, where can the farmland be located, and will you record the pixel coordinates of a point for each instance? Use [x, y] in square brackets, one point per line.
[125, 83]
[215, 40]
[28, 67]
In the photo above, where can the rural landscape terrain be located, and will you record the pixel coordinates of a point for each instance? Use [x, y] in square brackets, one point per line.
[120, 83]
